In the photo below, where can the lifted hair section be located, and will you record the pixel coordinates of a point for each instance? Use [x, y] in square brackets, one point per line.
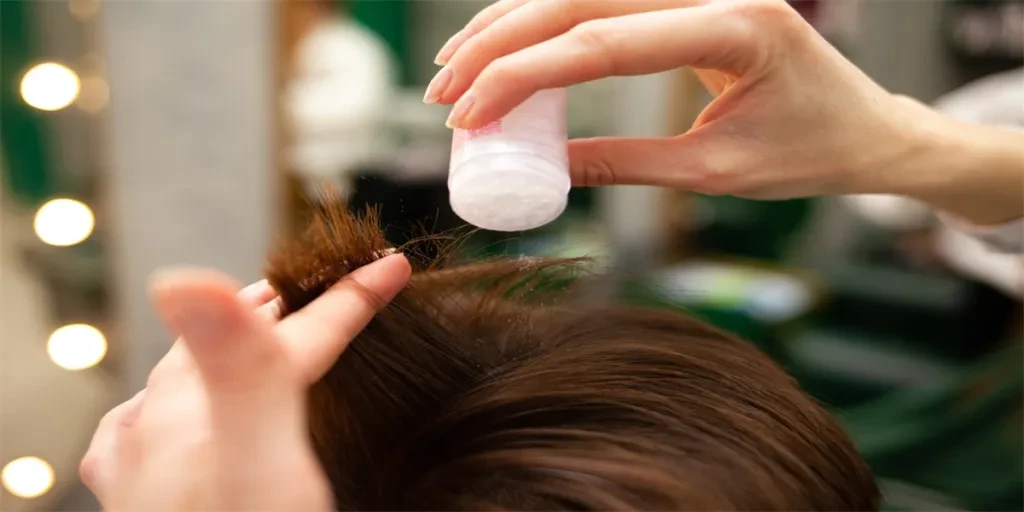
[484, 387]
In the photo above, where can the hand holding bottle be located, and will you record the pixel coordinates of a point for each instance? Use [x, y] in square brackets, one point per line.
[791, 117]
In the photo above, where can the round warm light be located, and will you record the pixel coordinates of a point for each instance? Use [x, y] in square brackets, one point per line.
[64, 222]
[50, 86]
[76, 346]
[27, 477]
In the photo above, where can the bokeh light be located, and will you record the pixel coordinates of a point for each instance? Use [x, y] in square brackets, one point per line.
[64, 222]
[27, 477]
[95, 94]
[76, 346]
[50, 86]
[84, 10]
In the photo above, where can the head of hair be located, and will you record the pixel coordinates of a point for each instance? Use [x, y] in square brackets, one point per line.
[486, 386]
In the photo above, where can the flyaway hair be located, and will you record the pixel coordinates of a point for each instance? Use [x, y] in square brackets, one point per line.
[485, 386]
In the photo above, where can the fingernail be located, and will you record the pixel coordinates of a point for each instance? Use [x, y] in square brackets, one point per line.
[437, 85]
[449, 47]
[461, 110]
[384, 277]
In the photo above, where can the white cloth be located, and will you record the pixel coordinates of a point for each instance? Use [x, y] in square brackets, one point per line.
[995, 100]
[338, 99]
[991, 254]
[1004, 238]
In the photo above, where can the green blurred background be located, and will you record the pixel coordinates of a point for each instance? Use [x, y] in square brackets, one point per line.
[920, 359]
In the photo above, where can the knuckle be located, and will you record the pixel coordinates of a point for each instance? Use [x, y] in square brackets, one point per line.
[591, 36]
[711, 177]
[357, 301]
[164, 372]
[569, 9]
[87, 470]
[175, 362]
[109, 418]
[502, 72]
[765, 10]
[775, 16]
[474, 53]
[597, 172]
[360, 292]
[155, 376]
[499, 69]
[563, 14]
[595, 45]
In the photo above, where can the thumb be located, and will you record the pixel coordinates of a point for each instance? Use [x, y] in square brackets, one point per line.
[318, 333]
[679, 162]
[234, 351]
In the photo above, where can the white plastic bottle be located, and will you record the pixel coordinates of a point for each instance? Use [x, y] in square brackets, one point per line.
[513, 174]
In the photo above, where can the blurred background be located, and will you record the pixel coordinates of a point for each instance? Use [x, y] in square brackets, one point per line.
[142, 134]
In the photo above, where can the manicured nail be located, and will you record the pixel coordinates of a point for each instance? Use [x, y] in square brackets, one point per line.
[461, 110]
[449, 47]
[437, 85]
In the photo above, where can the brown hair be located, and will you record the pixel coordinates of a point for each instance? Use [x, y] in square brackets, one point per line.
[476, 390]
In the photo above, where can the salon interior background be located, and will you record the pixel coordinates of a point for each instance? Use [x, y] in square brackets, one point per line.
[136, 135]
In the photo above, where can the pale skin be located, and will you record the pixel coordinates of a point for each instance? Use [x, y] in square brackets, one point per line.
[791, 118]
[222, 422]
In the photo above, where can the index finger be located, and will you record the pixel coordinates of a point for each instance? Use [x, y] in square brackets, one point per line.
[257, 294]
[317, 334]
[530, 24]
[482, 20]
[702, 37]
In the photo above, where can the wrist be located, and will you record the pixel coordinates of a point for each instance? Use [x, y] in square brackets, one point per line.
[971, 171]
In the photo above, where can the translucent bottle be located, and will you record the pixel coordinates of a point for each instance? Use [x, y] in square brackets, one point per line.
[513, 174]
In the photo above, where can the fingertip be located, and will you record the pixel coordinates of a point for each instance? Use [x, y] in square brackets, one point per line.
[485, 104]
[384, 277]
[450, 46]
[397, 269]
[403, 262]
[398, 259]
[323, 329]
[258, 293]
[199, 304]
[174, 279]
